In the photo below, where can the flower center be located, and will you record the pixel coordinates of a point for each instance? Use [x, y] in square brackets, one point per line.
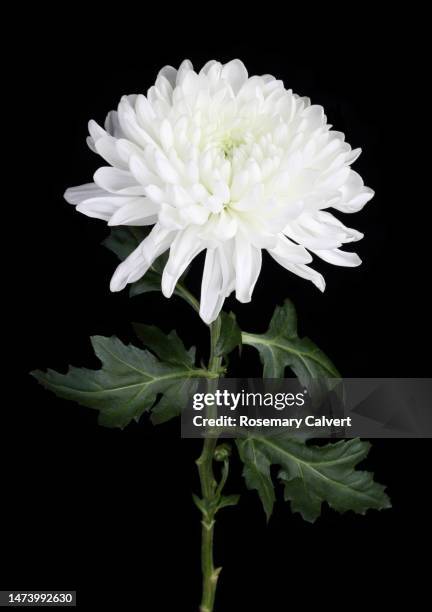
[229, 144]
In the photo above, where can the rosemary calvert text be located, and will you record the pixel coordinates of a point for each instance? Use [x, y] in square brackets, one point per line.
[294, 423]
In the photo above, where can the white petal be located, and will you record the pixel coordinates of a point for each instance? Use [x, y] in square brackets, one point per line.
[226, 257]
[169, 217]
[117, 181]
[308, 273]
[112, 125]
[213, 73]
[126, 148]
[166, 135]
[139, 211]
[139, 261]
[328, 220]
[340, 258]
[320, 230]
[352, 156]
[170, 74]
[256, 232]
[248, 261]
[129, 124]
[212, 297]
[205, 69]
[103, 207]
[235, 73]
[360, 200]
[184, 68]
[155, 193]
[95, 131]
[195, 214]
[313, 117]
[164, 88]
[287, 251]
[357, 202]
[354, 194]
[132, 264]
[220, 227]
[185, 247]
[91, 144]
[165, 169]
[179, 196]
[144, 112]
[76, 195]
[141, 173]
[106, 147]
[217, 282]
[336, 179]
[311, 241]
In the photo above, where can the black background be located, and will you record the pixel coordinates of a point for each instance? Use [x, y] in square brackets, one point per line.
[109, 513]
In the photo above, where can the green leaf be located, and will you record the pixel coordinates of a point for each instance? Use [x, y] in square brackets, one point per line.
[173, 400]
[128, 384]
[314, 474]
[229, 336]
[214, 505]
[280, 347]
[168, 347]
[228, 500]
[256, 473]
[201, 504]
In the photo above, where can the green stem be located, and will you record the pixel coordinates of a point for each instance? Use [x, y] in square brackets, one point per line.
[210, 491]
[188, 296]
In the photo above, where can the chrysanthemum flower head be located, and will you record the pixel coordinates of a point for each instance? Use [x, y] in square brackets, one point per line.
[226, 163]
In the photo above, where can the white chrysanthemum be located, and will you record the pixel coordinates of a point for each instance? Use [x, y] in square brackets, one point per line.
[232, 164]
